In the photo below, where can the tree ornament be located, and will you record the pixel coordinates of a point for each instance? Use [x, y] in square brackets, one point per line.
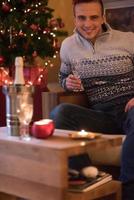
[34, 27]
[47, 30]
[24, 1]
[34, 54]
[2, 60]
[56, 44]
[21, 33]
[5, 7]
[53, 22]
[61, 25]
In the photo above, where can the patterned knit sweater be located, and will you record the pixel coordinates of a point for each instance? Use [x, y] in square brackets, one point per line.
[106, 68]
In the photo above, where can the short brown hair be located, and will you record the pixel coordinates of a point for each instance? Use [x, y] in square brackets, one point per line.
[75, 2]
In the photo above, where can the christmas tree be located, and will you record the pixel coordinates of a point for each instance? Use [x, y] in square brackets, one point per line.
[27, 28]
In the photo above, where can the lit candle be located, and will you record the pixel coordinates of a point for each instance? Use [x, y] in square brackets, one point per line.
[43, 128]
[83, 133]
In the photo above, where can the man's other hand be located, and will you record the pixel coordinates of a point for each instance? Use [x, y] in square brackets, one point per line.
[129, 105]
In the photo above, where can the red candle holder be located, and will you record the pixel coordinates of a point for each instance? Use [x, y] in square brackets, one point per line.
[43, 128]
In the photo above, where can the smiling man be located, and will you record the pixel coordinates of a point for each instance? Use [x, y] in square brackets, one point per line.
[89, 19]
[100, 61]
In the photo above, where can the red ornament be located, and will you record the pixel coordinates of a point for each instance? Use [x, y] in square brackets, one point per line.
[53, 22]
[56, 44]
[21, 33]
[43, 128]
[47, 30]
[34, 54]
[2, 60]
[23, 1]
[61, 25]
[34, 27]
[5, 7]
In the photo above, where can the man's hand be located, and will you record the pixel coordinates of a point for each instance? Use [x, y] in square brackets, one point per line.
[73, 83]
[129, 105]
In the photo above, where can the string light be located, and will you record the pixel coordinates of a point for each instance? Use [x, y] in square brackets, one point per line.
[51, 65]
[55, 28]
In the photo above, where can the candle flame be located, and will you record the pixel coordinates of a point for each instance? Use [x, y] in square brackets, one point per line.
[83, 133]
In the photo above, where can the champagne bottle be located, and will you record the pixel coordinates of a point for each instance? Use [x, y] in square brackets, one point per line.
[19, 74]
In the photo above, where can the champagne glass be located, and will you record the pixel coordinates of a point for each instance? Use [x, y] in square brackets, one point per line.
[76, 65]
[24, 113]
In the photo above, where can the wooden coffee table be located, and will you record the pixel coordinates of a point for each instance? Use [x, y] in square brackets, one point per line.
[38, 169]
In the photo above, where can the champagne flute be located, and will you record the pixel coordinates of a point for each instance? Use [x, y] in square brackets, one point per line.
[24, 113]
[75, 70]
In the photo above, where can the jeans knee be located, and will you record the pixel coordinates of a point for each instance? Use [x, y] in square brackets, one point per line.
[60, 111]
[60, 115]
[129, 122]
[55, 111]
[131, 112]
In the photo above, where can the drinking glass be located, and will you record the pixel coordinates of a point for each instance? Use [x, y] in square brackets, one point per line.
[75, 70]
[24, 113]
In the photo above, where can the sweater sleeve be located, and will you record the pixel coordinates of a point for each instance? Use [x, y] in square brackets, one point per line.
[131, 44]
[65, 68]
[127, 39]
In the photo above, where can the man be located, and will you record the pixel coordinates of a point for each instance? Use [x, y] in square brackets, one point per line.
[104, 60]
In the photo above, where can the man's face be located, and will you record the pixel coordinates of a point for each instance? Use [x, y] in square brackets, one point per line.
[89, 20]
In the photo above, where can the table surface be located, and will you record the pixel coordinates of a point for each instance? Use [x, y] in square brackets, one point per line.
[60, 140]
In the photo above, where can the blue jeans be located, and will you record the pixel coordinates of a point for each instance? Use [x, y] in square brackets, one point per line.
[100, 118]
[127, 159]
[107, 118]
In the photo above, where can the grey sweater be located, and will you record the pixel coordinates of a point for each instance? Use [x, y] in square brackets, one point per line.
[106, 68]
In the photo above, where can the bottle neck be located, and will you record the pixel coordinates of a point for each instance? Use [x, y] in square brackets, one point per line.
[19, 73]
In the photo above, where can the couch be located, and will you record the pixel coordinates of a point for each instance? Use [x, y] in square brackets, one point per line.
[110, 158]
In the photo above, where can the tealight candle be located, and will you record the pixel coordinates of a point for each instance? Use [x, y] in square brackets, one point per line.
[43, 128]
[83, 133]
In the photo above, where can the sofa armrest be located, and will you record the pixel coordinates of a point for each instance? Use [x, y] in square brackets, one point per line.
[51, 99]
